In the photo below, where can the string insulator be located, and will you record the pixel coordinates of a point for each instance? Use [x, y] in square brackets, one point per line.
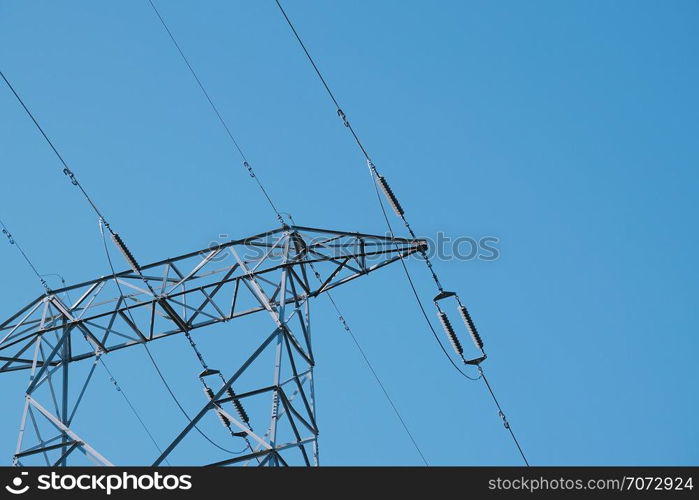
[209, 393]
[299, 244]
[446, 324]
[238, 406]
[471, 327]
[224, 419]
[395, 204]
[125, 252]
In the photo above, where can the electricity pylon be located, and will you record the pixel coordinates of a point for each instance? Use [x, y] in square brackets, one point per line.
[275, 273]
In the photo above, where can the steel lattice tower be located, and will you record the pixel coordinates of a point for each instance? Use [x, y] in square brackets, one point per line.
[276, 273]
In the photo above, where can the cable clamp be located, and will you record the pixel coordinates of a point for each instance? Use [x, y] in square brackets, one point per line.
[343, 117]
[504, 420]
[9, 236]
[250, 171]
[476, 361]
[71, 176]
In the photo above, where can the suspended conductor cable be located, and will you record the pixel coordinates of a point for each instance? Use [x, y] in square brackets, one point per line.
[340, 113]
[379, 180]
[347, 328]
[376, 377]
[374, 172]
[66, 170]
[264, 191]
[113, 380]
[11, 239]
[184, 412]
[103, 222]
[505, 422]
[152, 359]
[246, 163]
[417, 295]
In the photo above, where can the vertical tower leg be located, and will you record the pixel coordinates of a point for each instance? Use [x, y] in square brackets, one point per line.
[45, 434]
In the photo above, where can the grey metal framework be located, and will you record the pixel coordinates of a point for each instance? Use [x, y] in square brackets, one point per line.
[276, 272]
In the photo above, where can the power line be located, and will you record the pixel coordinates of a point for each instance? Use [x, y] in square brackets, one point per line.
[66, 170]
[11, 239]
[278, 214]
[152, 359]
[380, 181]
[103, 222]
[184, 412]
[113, 379]
[421, 306]
[246, 163]
[378, 380]
[505, 422]
[347, 328]
[374, 173]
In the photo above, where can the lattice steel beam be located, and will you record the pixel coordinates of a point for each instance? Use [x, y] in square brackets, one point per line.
[265, 272]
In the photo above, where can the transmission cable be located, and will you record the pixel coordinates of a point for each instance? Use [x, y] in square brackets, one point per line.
[347, 328]
[103, 222]
[345, 325]
[119, 389]
[153, 361]
[66, 170]
[277, 213]
[246, 163]
[380, 181]
[14, 242]
[98, 355]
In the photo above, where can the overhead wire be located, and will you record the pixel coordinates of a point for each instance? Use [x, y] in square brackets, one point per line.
[355, 340]
[14, 242]
[66, 170]
[280, 218]
[103, 221]
[379, 180]
[98, 355]
[230, 135]
[502, 416]
[381, 385]
[154, 362]
[119, 389]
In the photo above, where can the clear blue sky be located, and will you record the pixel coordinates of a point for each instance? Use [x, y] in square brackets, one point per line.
[566, 129]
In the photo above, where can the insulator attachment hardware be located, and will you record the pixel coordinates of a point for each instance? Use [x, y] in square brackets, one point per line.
[250, 170]
[9, 236]
[471, 327]
[476, 361]
[388, 192]
[343, 117]
[126, 252]
[208, 372]
[443, 295]
[299, 244]
[446, 324]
